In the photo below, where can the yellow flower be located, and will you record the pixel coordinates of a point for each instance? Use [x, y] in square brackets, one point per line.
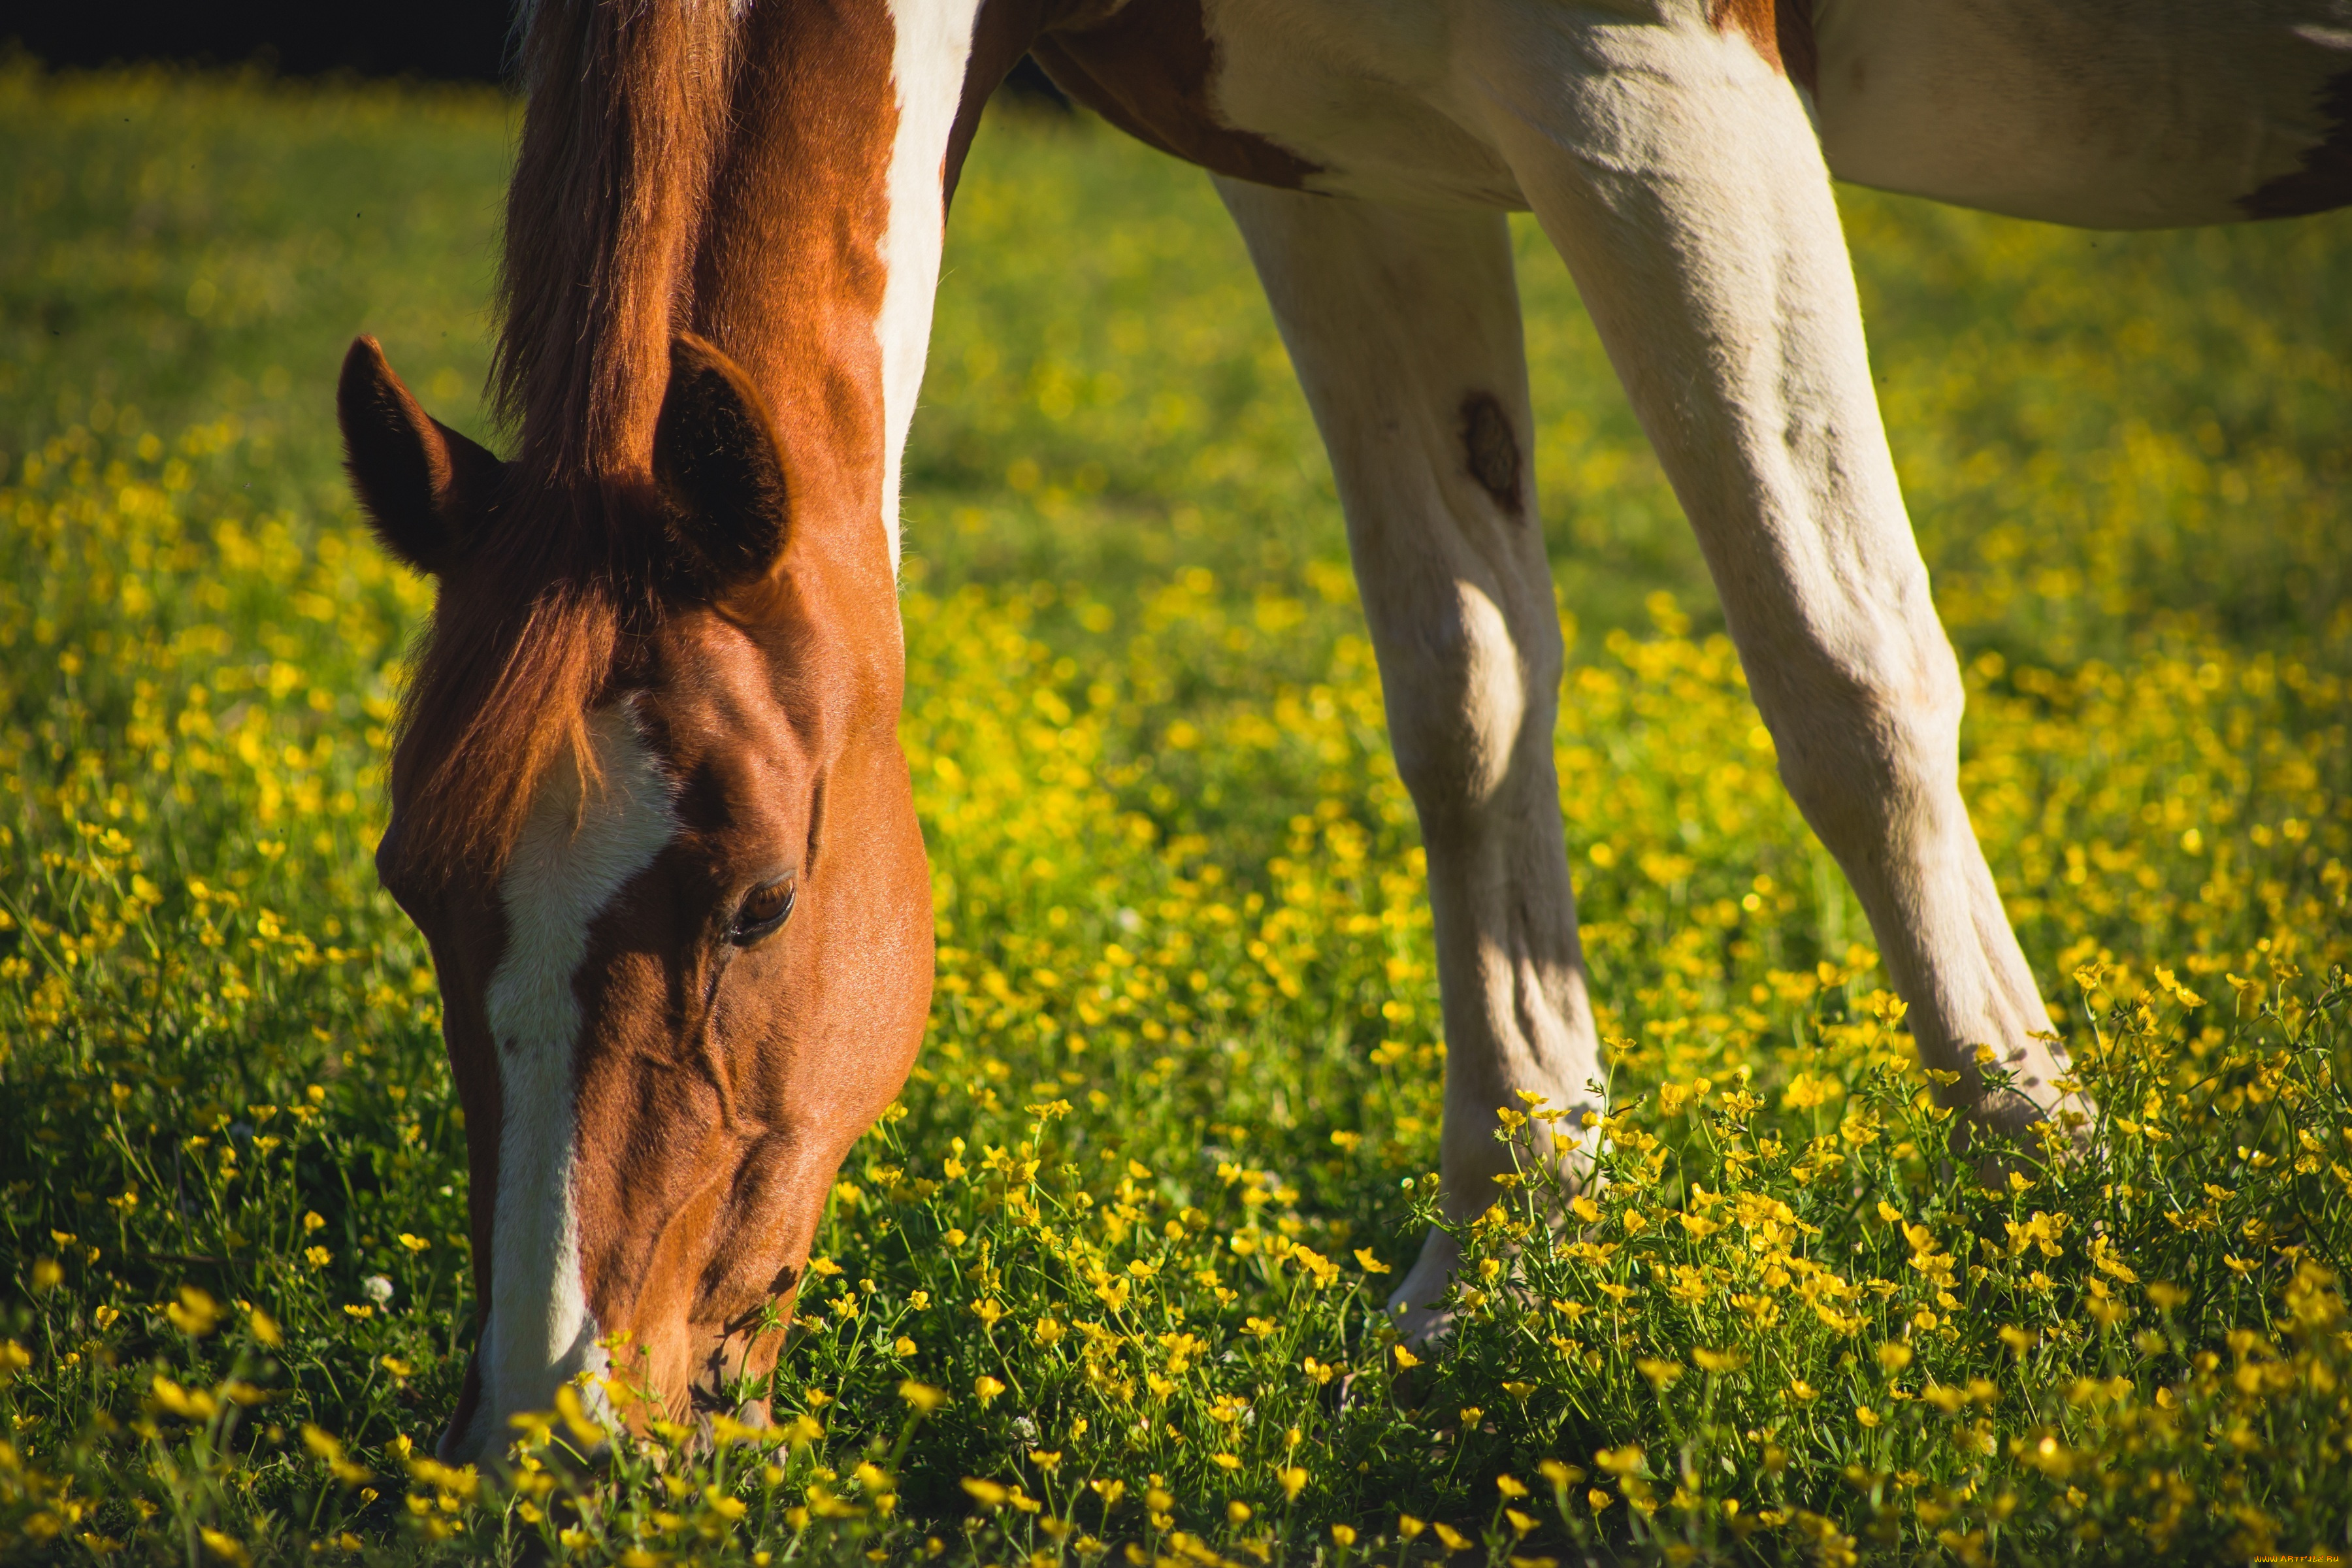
[986, 1387]
[1343, 1536]
[187, 1403]
[1409, 1527]
[194, 1314]
[1865, 1415]
[1453, 1540]
[1405, 1358]
[1293, 1480]
[1225, 1461]
[413, 1242]
[1370, 1264]
[1805, 1091]
[988, 1494]
[313, 1221]
[1661, 1374]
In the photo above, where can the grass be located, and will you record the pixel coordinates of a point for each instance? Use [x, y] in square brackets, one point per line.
[1105, 1284]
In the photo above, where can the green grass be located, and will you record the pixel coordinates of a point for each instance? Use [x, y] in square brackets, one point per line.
[1117, 1257]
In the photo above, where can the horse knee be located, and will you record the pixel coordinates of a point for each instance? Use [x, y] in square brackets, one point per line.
[1470, 688]
[1868, 743]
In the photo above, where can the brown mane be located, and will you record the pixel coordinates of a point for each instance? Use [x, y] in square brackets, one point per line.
[627, 112]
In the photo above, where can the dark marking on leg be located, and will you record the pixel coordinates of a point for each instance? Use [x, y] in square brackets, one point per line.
[1492, 450]
[2324, 180]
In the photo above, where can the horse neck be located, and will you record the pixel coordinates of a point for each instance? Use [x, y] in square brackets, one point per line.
[769, 176]
[821, 254]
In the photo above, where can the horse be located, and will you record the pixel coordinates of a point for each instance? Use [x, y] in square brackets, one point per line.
[648, 804]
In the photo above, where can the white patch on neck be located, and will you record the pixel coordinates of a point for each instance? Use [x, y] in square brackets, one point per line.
[927, 66]
[573, 857]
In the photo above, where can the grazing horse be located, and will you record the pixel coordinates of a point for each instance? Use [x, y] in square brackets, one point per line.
[649, 805]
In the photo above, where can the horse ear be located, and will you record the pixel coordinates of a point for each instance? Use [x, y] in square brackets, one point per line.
[719, 469]
[418, 480]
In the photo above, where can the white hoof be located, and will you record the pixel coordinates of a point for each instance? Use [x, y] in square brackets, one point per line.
[1414, 1308]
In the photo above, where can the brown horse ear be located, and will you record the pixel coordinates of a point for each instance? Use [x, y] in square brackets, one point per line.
[419, 481]
[720, 468]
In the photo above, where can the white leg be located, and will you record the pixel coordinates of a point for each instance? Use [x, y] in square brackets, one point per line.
[1677, 171]
[1405, 326]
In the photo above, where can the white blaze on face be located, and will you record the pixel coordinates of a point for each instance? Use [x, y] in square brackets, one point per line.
[927, 68]
[573, 857]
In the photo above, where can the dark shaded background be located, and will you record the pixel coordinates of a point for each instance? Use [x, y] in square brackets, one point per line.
[441, 40]
[448, 40]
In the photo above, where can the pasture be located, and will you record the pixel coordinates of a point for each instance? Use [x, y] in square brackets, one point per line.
[1105, 1285]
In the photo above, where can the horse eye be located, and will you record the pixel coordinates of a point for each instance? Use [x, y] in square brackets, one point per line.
[762, 910]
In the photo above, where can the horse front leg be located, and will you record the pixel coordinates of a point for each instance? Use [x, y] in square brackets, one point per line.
[1674, 167]
[1403, 326]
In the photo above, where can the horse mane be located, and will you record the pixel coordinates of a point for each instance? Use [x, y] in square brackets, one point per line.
[626, 114]
[627, 110]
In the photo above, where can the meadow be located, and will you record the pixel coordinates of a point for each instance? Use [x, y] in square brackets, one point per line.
[1105, 1284]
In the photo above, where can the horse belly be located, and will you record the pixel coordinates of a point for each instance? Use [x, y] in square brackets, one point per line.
[1345, 97]
[2102, 113]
